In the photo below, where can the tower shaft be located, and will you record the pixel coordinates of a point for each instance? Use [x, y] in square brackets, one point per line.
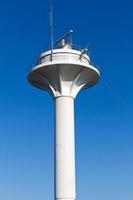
[63, 76]
[64, 149]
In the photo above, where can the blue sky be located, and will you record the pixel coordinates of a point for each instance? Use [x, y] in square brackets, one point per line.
[103, 114]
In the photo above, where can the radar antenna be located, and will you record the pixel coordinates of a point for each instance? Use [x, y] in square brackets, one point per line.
[64, 40]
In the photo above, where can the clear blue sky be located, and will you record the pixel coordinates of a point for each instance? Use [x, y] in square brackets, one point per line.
[104, 114]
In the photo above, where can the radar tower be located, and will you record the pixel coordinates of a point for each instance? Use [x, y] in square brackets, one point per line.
[64, 71]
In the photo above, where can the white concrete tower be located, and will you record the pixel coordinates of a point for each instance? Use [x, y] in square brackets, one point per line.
[63, 72]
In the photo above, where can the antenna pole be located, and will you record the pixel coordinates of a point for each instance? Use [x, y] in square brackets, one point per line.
[51, 29]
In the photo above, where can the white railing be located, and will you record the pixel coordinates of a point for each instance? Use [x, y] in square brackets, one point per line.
[65, 58]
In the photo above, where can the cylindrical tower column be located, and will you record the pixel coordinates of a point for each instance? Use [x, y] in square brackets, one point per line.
[63, 76]
[64, 149]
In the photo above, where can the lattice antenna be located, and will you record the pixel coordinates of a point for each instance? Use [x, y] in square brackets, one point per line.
[51, 29]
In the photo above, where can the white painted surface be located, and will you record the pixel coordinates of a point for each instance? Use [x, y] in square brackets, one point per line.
[64, 51]
[64, 149]
[63, 78]
[65, 75]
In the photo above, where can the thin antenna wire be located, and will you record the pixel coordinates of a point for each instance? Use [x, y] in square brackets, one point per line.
[117, 96]
[51, 29]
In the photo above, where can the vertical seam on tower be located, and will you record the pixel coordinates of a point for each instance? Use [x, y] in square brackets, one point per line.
[60, 79]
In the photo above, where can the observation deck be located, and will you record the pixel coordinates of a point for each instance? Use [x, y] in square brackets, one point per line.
[63, 72]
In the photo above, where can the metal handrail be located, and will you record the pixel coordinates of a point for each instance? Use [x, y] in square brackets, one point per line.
[37, 60]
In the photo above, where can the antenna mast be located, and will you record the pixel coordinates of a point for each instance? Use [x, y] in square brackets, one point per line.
[51, 29]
